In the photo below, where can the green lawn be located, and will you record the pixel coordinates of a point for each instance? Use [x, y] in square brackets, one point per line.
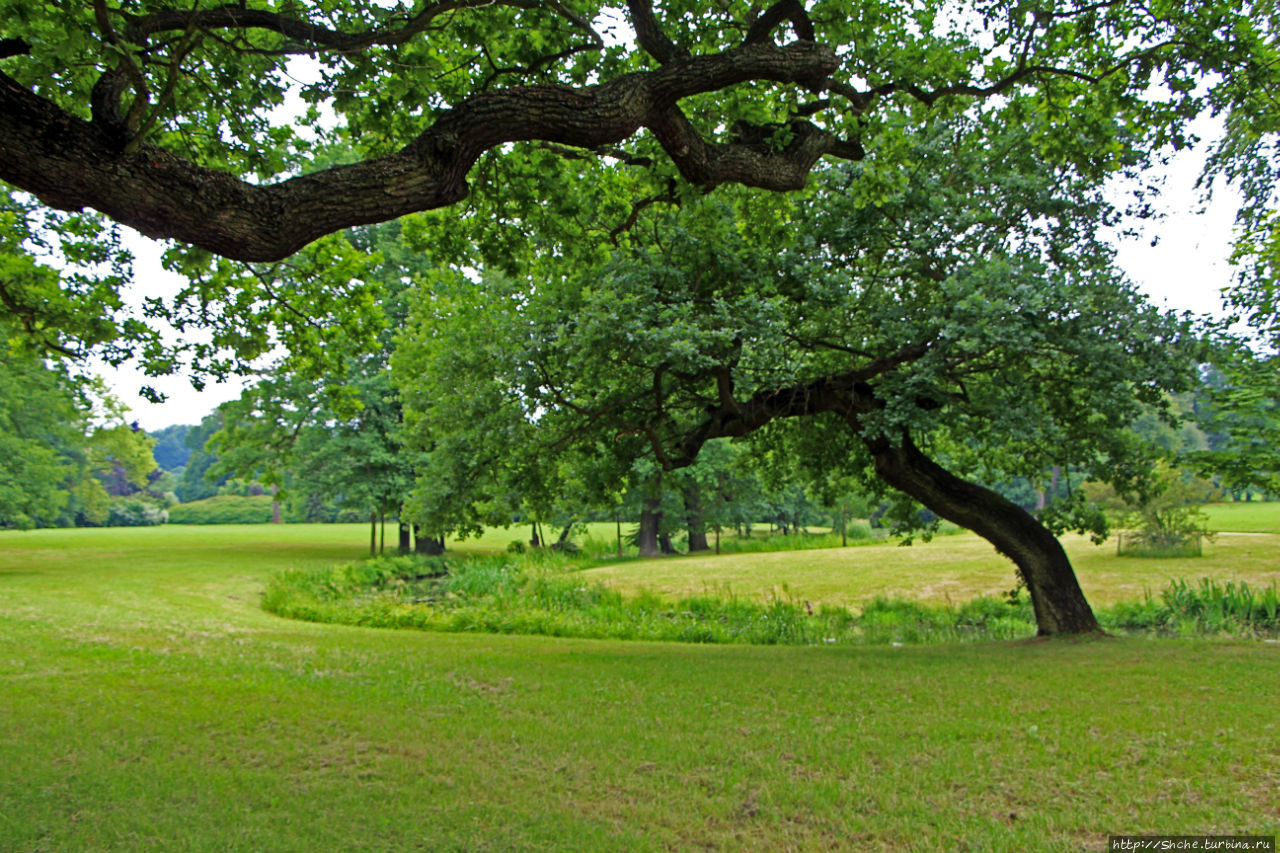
[1245, 516]
[147, 703]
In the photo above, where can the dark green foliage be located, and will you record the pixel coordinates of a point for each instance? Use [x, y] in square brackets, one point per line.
[224, 509]
[171, 450]
[196, 483]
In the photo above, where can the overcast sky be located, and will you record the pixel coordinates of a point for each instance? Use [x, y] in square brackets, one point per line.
[1185, 270]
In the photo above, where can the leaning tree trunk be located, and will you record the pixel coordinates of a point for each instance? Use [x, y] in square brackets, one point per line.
[1059, 603]
[693, 518]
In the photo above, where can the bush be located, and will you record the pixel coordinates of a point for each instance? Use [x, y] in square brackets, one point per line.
[134, 512]
[223, 509]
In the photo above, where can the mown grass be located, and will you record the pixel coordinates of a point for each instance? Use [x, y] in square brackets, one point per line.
[1245, 516]
[147, 702]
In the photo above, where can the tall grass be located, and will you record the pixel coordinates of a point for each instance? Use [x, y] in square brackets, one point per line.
[1206, 607]
[539, 593]
[527, 594]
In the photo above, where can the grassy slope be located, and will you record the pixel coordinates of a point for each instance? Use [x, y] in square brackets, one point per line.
[147, 703]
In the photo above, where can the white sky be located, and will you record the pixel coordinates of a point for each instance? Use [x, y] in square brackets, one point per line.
[1186, 270]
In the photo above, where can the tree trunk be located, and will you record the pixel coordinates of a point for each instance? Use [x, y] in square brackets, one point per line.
[617, 518]
[406, 544]
[650, 518]
[382, 524]
[1060, 605]
[693, 518]
[844, 525]
[275, 505]
[373, 533]
[430, 546]
[664, 544]
[533, 535]
[564, 537]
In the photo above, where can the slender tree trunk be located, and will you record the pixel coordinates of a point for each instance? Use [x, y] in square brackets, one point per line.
[382, 524]
[406, 544]
[617, 519]
[533, 535]
[717, 539]
[564, 537]
[1059, 603]
[664, 544]
[373, 533]
[844, 525]
[693, 518]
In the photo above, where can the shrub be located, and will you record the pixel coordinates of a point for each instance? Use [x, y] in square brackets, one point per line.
[134, 512]
[224, 509]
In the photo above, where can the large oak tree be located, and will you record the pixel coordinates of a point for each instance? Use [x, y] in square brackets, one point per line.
[162, 115]
[936, 327]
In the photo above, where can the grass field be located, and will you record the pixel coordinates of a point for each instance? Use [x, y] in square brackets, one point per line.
[1245, 516]
[956, 568]
[148, 703]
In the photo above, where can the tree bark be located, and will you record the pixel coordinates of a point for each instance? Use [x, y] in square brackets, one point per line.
[664, 544]
[406, 544]
[430, 546]
[650, 518]
[373, 533]
[1059, 603]
[693, 518]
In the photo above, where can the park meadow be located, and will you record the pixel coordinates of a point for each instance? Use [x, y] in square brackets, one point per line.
[149, 702]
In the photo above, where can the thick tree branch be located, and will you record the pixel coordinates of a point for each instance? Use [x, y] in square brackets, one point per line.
[847, 394]
[14, 47]
[650, 35]
[71, 164]
[784, 10]
[140, 27]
